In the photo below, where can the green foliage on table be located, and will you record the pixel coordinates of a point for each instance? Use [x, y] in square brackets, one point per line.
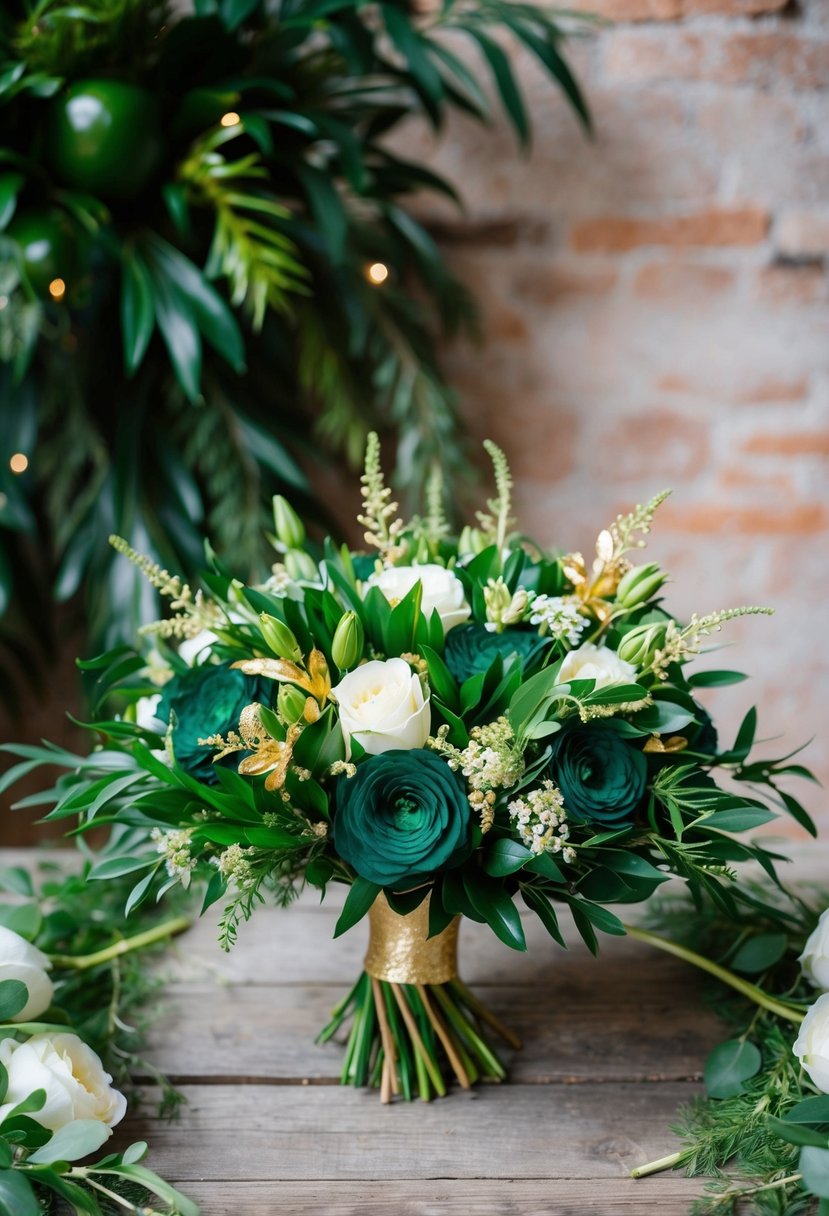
[761, 1132]
[189, 206]
[103, 992]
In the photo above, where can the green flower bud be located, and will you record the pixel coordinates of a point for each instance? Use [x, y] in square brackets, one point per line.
[639, 585]
[347, 646]
[471, 542]
[279, 638]
[301, 566]
[290, 704]
[287, 524]
[640, 644]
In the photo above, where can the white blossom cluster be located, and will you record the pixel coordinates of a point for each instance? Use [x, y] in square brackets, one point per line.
[175, 849]
[490, 761]
[558, 616]
[233, 865]
[540, 818]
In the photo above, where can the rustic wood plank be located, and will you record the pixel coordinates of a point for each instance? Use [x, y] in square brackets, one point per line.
[272, 1133]
[266, 1032]
[670, 1196]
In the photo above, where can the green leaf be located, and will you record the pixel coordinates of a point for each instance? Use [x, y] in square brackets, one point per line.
[798, 812]
[715, 679]
[729, 1065]
[215, 890]
[16, 1195]
[505, 83]
[814, 1166]
[273, 838]
[25, 919]
[139, 892]
[13, 997]
[212, 315]
[10, 185]
[741, 819]
[73, 1142]
[505, 857]
[15, 878]
[137, 312]
[545, 911]
[491, 901]
[135, 1152]
[797, 1133]
[82, 1201]
[760, 952]
[179, 1203]
[361, 896]
[34, 1101]
[115, 867]
[177, 323]
[327, 208]
[4, 1082]
[543, 864]
[811, 1110]
[6, 1156]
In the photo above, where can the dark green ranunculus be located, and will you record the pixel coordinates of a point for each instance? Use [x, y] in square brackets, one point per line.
[601, 775]
[205, 701]
[471, 648]
[401, 817]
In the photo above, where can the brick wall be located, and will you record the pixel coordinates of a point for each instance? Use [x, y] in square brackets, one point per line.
[655, 313]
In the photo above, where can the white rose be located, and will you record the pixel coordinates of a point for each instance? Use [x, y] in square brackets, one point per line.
[20, 960]
[191, 648]
[442, 590]
[815, 957]
[72, 1075]
[599, 663]
[812, 1043]
[382, 706]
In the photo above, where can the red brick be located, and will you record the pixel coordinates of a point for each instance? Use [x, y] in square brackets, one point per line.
[802, 234]
[635, 446]
[789, 443]
[717, 226]
[804, 519]
[781, 284]
[681, 281]
[674, 10]
[764, 59]
[739, 477]
[549, 285]
[773, 388]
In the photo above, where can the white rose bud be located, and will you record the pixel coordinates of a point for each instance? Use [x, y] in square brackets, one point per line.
[20, 960]
[812, 1043]
[442, 590]
[599, 663]
[815, 957]
[383, 707]
[71, 1074]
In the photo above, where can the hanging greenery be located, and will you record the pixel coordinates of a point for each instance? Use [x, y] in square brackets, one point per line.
[208, 266]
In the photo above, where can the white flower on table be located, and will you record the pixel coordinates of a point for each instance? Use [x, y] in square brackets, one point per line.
[383, 706]
[442, 591]
[812, 1043]
[76, 1085]
[20, 960]
[815, 957]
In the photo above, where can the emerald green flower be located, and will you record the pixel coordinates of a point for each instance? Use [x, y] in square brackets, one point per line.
[206, 701]
[601, 775]
[471, 649]
[403, 816]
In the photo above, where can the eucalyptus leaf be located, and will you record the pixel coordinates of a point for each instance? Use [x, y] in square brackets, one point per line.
[729, 1065]
[814, 1168]
[73, 1142]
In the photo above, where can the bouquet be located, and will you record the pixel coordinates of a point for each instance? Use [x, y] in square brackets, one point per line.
[441, 723]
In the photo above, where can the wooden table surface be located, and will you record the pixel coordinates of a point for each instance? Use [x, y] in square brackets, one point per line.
[612, 1048]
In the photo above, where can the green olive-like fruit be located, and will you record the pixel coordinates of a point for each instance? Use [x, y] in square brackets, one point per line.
[105, 138]
[47, 249]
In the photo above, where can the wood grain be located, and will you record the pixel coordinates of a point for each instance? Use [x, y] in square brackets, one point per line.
[669, 1196]
[293, 1132]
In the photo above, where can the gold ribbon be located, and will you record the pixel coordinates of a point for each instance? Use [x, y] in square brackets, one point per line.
[399, 950]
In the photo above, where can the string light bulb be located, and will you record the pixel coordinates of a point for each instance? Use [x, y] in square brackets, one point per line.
[57, 289]
[377, 273]
[19, 462]
[231, 119]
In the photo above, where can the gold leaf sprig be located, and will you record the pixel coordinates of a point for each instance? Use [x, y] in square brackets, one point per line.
[383, 527]
[312, 677]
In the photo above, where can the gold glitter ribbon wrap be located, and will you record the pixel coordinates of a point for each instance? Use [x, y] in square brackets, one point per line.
[398, 949]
